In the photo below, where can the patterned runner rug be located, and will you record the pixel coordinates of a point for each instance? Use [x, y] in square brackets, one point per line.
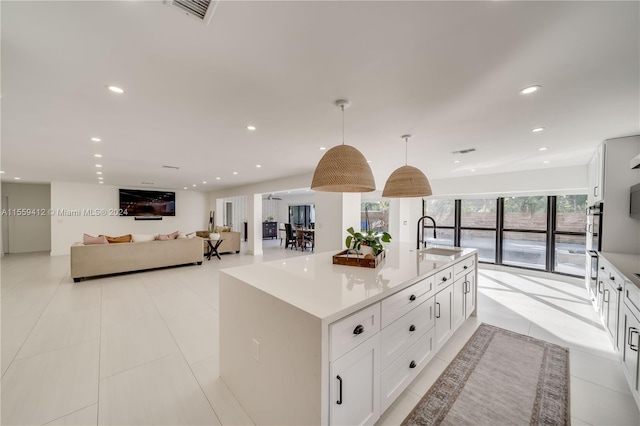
[499, 378]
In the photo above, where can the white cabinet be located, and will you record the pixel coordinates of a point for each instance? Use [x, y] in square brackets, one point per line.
[355, 385]
[457, 311]
[629, 350]
[444, 320]
[470, 294]
[595, 176]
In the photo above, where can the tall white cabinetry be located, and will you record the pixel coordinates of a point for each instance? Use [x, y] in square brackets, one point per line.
[610, 179]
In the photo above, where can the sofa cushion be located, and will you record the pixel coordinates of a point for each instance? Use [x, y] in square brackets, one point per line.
[88, 239]
[141, 238]
[162, 237]
[120, 239]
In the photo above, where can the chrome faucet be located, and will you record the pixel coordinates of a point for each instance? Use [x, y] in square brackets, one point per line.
[421, 230]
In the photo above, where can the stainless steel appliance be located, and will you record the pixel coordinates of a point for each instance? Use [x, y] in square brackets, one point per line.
[593, 246]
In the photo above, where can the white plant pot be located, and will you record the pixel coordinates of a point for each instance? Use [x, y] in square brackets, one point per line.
[214, 236]
[365, 250]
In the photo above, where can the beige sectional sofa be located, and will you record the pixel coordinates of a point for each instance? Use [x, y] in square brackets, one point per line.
[101, 259]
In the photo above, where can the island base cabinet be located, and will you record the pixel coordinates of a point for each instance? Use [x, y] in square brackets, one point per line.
[459, 295]
[629, 352]
[403, 370]
[354, 395]
[470, 294]
[444, 320]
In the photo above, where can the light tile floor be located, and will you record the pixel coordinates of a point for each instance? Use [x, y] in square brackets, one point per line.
[142, 348]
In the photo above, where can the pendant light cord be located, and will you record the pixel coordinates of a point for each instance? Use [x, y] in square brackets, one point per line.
[342, 107]
[406, 150]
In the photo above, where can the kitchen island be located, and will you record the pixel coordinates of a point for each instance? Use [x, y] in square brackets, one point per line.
[303, 341]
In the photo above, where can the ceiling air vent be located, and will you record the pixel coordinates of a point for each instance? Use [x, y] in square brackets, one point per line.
[200, 9]
[464, 151]
[171, 167]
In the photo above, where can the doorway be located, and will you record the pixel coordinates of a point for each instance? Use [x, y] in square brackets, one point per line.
[228, 214]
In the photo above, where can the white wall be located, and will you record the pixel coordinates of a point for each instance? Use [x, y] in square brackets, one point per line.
[28, 233]
[192, 214]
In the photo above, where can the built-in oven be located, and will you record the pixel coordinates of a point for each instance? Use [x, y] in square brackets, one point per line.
[592, 274]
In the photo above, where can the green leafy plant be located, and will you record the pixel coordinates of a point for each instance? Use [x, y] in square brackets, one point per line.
[373, 239]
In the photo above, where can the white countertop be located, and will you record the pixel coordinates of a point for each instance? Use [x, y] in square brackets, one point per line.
[627, 264]
[315, 285]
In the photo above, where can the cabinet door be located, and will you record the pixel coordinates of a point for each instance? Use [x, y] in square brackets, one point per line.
[444, 302]
[355, 385]
[470, 295]
[629, 350]
[457, 310]
[612, 296]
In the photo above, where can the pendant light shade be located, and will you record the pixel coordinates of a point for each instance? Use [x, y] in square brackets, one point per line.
[343, 168]
[407, 181]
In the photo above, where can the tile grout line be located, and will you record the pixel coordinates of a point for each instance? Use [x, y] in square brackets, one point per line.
[99, 356]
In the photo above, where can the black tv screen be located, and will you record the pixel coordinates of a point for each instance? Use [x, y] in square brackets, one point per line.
[134, 202]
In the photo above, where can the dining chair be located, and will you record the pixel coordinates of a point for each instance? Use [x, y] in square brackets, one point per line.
[290, 236]
[301, 240]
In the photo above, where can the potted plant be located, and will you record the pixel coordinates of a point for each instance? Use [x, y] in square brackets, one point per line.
[370, 239]
[214, 235]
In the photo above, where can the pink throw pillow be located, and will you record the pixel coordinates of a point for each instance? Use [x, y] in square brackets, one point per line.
[161, 237]
[174, 235]
[88, 239]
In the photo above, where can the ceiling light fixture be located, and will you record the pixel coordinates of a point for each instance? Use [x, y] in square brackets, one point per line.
[185, 188]
[530, 89]
[218, 178]
[235, 173]
[97, 155]
[537, 129]
[407, 181]
[456, 161]
[16, 178]
[116, 89]
[258, 166]
[100, 178]
[98, 173]
[250, 127]
[204, 182]
[98, 165]
[546, 162]
[322, 148]
[544, 148]
[193, 184]
[94, 139]
[1, 172]
[343, 168]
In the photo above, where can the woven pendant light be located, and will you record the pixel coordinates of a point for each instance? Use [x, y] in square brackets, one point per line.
[343, 168]
[407, 181]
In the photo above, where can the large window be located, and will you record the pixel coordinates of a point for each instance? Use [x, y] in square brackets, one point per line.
[374, 215]
[541, 232]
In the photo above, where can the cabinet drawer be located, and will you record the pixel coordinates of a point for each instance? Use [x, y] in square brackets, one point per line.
[395, 306]
[401, 373]
[401, 334]
[349, 332]
[464, 266]
[632, 295]
[444, 278]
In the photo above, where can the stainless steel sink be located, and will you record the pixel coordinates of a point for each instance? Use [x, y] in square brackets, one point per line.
[441, 251]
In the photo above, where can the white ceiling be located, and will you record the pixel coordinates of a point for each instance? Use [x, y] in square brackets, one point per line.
[447, 72]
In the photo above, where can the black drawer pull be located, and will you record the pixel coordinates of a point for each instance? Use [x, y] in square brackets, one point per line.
[412, 297]
[613, 278]
[339, 401]
[359, 329]
[413, 364]
[412, 328]
[444, 278]
[602, 267]
[438, 306]
[465, 267]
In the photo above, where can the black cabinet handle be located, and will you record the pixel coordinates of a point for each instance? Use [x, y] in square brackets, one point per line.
[438, 306]
[602, 267]
[444, 279]
[412, 328]
[413, 364]
[412, 297]
[612, 278]
[465, 267]
[632, 331]
[605, 298]
[359, 329]
[339, 401]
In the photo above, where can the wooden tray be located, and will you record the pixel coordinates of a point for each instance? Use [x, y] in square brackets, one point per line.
[357, 259]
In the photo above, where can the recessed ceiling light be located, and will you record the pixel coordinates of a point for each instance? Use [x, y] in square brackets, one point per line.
[546, 162]
[204, 182]
[258, 166]
[250, 127]
[193, 184]
[116, 89]
[98, 165]
[473, 170]
[456, 161]
[16, 178]
[97, 155]
[96, 139]
[217, 177]
[98, 173]
[235, 173]
[100, 178]
[369, 161]
[322, 148]
[543, 148]
[101, 182]
[530, 89]
[1, 172]
[537, 129]
[186, 187]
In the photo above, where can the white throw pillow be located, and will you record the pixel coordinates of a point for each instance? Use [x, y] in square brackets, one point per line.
[141, 238]
[181, 236]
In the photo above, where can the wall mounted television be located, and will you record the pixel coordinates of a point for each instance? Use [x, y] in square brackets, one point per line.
[135, 202]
